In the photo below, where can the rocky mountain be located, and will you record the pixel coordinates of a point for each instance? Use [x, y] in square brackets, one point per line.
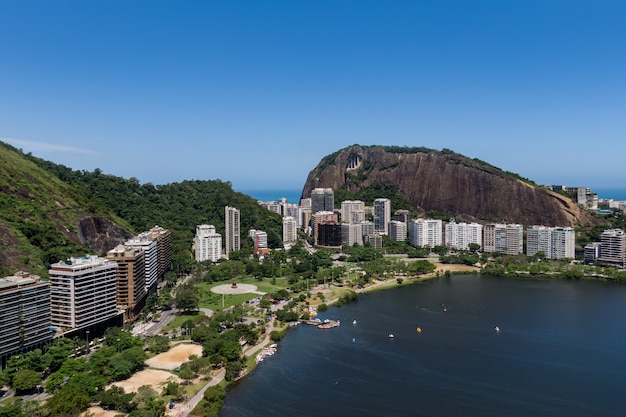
[43, 219]
[445, 182]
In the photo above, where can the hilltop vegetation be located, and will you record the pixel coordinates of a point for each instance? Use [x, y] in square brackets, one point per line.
[178, 207]
[40, 215]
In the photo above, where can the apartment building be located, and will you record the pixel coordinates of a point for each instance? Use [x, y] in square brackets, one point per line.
[351, 234]
[460, 235]
[426, 232]
[397, 230]
[290, 230]
[151, 258]
[207, 243]
[382, 215]
[503, 238]
[613, 247]
[352, 211]
[24, 314]
[130, 279]
[554, 242]
[232, 233]
[82, 292]
[322, 199]
[322, 217]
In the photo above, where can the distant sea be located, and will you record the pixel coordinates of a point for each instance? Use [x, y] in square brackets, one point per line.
[614, 193]
[292, 196]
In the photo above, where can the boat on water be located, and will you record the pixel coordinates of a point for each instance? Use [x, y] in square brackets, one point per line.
[353, 321]
[419, 330]
[391, 335]
[329, 324]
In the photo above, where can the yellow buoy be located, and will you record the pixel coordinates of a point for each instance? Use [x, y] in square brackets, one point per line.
[419, 330]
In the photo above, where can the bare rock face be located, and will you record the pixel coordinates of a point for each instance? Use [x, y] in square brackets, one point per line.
[447, 182]
[101, 234]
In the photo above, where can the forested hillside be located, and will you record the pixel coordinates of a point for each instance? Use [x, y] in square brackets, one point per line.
[44, 220]
[179, 207]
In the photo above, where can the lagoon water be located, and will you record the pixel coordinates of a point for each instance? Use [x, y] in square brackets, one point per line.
[560, 351]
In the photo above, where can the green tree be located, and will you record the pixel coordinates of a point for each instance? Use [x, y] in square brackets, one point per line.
[187, 298]
[115, 398]
[26, 379]
[69, 401]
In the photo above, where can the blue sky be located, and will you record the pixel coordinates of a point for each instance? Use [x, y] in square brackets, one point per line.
[257, 92]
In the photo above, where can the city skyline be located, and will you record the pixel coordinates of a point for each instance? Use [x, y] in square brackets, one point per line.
[258, 93]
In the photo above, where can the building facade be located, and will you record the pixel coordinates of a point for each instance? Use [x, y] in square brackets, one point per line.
[130, 285]
[322, 199]
[503, 238]
[151, 258]
[397, 230]
[351, 234]
[613, 247]
[382, 215]
[24, 314]
[352, 211]
[459, 236]
[207, 243]
[82, 292]
[426, 232]
[232, 233]
[290, 230]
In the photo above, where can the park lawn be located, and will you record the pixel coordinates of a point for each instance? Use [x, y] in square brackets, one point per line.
[180, 318]
[213, 301]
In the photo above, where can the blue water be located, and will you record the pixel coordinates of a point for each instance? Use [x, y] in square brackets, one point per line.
[614, 193]
[292, 196]
[561, 351]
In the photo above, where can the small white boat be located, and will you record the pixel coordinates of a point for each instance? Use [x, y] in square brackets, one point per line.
[497, 329]
[391, 335]
[353, 321]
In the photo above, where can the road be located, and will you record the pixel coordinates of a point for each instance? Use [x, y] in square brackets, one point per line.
[186, 408]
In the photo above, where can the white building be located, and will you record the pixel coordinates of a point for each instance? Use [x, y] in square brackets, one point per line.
[397, 230]
[426, 232]
[352, 211]
[290, 230]
[207, 243]
[233, 232]
[382, 215]
[613, 247]
[554, 242]
[351, 234]
[259, 238]
[460, 235]
[151, 258]
[82, 292]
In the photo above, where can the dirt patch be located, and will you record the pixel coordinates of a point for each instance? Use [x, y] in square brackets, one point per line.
[455, 267]
[153, 377]
[99, 412]
[174, 357]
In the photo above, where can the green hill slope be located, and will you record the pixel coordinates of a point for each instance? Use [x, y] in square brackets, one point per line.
[43, 219]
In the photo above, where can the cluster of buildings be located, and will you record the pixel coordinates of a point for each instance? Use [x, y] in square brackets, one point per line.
[84, 294]
[357, 224]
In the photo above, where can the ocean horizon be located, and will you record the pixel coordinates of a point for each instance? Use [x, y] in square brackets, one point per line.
[292, 195]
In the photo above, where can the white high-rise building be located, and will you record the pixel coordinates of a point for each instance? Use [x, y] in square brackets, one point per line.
[613, 247]
[554, 242]
[460, 235]
[563, 243]
[290, 230]
[351, 234]
[382, 215]
[352, 211]
[397, 230]
[232, 234]
[207, 243]
[82, 292]
[151, 258]
[426, 232]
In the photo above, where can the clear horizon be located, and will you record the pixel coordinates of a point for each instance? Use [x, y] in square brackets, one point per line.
[258, 93]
